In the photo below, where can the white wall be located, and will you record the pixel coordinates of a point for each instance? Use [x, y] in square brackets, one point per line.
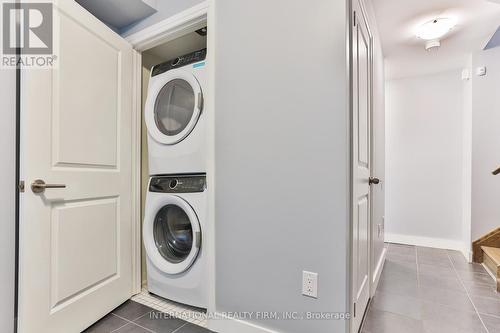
[425, 181]
[281, 160]
[164, 9]
[486, 144]
[7, 197]
[467, 162]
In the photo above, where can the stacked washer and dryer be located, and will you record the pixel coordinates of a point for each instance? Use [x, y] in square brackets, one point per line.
[176, 201]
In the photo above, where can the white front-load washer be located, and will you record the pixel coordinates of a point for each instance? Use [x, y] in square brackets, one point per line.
[174, 115]
[174, 225]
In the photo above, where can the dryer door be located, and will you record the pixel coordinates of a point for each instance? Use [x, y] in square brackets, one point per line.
[173, 106]
[172, 235]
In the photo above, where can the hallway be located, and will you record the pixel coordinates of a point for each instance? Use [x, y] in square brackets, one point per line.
[427, 290]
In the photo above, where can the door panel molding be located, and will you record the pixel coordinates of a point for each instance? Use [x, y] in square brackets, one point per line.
[75, 244]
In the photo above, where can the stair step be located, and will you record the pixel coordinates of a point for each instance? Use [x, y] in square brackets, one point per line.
[491, 259]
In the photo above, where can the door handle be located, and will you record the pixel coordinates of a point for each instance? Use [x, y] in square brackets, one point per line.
[373, 180]
[39, 186]
[496, 171]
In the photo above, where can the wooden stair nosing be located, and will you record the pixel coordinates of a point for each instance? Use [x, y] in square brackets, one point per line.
[491, 260]
[491, 239]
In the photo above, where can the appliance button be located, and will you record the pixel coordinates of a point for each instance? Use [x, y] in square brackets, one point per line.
[176, 61]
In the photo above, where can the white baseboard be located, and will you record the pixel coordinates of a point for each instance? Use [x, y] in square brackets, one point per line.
[224, 324]
[439, 243]
[378, 271]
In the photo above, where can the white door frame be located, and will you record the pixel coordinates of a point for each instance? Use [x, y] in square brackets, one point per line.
[169, 29]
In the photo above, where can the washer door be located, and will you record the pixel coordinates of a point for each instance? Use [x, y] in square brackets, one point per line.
[174, 104]
[172, 235]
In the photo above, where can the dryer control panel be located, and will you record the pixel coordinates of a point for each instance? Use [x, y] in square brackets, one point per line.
[178, 183]
[183, 60]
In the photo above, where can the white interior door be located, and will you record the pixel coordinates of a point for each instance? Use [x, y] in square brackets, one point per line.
[75, 242]
[361, 211]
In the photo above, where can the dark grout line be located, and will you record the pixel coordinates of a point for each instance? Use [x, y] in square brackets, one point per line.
[131, 322]
[126, 323]
[178, 328]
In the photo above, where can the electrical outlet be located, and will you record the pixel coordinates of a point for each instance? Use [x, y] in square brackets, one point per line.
[310, 284]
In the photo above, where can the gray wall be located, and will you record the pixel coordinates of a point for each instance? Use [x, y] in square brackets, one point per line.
[164, 9]
[281, 158]
[485, 143]
[7, 197]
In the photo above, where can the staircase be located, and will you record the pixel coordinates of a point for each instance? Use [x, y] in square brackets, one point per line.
[487, 250]
[491, 259]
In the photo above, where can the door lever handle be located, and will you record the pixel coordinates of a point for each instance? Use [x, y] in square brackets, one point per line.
[39, 186]
[373, 180]
[496, 171]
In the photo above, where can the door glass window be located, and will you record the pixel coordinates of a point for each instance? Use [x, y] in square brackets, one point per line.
[173, 233]
[174, 107]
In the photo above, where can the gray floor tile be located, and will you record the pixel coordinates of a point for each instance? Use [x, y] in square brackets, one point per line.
[106, 324]
[394, 256]
[160, 322]
[448, 283]
[386, 322]
[475, 277]
[461, 264]
[445, 286]
[398, 304]
[438, 327]
[435, 261]
[490, 306]
[491, 322]
[401, 249]
[440, 315]
[436, 271]
[401, 286]
[431, 252]
[131, 310]
[190, 328]
[482, 290]
[456, 256]
[132, 328]
[399, 269]
[472, 267]
[454, 299]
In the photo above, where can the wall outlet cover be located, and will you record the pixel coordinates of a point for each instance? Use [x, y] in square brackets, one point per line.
[481, 71]
[310, 284]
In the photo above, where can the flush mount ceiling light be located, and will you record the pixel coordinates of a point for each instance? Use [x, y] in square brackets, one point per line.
[432, 31]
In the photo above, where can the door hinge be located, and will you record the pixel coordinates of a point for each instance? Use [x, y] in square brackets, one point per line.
[354, 18]
[21, 186]
[354, 312]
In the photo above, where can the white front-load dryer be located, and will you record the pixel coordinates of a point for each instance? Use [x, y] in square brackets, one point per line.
[174, 115]
[173, 232]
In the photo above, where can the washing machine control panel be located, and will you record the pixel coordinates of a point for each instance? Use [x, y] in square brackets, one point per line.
[178, 184]
[184, 60]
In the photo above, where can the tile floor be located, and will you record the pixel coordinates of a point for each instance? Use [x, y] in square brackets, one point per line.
[188, 313]
[426, 290]
[421, 290]
[133, 317]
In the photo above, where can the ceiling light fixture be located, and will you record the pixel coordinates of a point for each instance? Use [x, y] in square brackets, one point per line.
[432, 31]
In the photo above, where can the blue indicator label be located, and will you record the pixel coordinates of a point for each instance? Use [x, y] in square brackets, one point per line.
[199, 64]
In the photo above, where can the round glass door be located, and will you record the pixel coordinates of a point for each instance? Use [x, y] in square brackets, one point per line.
[173, 233]
[174, 107]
